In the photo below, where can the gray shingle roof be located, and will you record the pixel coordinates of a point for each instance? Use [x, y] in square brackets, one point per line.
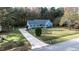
[38, 21]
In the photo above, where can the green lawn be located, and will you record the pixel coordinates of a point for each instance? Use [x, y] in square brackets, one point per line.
[56, 35]
[15, 37]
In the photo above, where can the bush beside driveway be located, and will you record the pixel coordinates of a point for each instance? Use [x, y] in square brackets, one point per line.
[35, 43]
[56, 35]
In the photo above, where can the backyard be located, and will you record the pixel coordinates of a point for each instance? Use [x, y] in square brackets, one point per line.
[56, 35]
[14, 41]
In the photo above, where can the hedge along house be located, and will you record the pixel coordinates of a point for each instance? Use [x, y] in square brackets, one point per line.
[39, 23]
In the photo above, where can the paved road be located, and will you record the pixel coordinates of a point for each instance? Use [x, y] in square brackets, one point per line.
[72, 45]
[37, 45]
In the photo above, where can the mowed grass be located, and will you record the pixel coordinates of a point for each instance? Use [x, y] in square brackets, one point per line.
[16, 36]
[56, 35]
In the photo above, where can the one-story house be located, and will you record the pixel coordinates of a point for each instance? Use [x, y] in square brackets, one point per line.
[42, 23]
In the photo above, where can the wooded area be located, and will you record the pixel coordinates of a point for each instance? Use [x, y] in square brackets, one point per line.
[17, 16]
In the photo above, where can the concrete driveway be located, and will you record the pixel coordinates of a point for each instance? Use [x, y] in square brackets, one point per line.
[37, 45]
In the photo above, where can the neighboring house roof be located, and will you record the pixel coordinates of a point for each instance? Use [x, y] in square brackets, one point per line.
[38, 21]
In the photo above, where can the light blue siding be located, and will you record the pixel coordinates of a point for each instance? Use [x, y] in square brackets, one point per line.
[49, 24]
[39, 23]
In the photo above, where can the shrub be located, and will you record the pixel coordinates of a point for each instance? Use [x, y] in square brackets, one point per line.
[38, 31]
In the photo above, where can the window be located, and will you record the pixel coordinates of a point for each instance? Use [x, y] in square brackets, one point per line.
[40, 24]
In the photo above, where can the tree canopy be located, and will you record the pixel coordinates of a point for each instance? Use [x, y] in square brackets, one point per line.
[18, 16]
